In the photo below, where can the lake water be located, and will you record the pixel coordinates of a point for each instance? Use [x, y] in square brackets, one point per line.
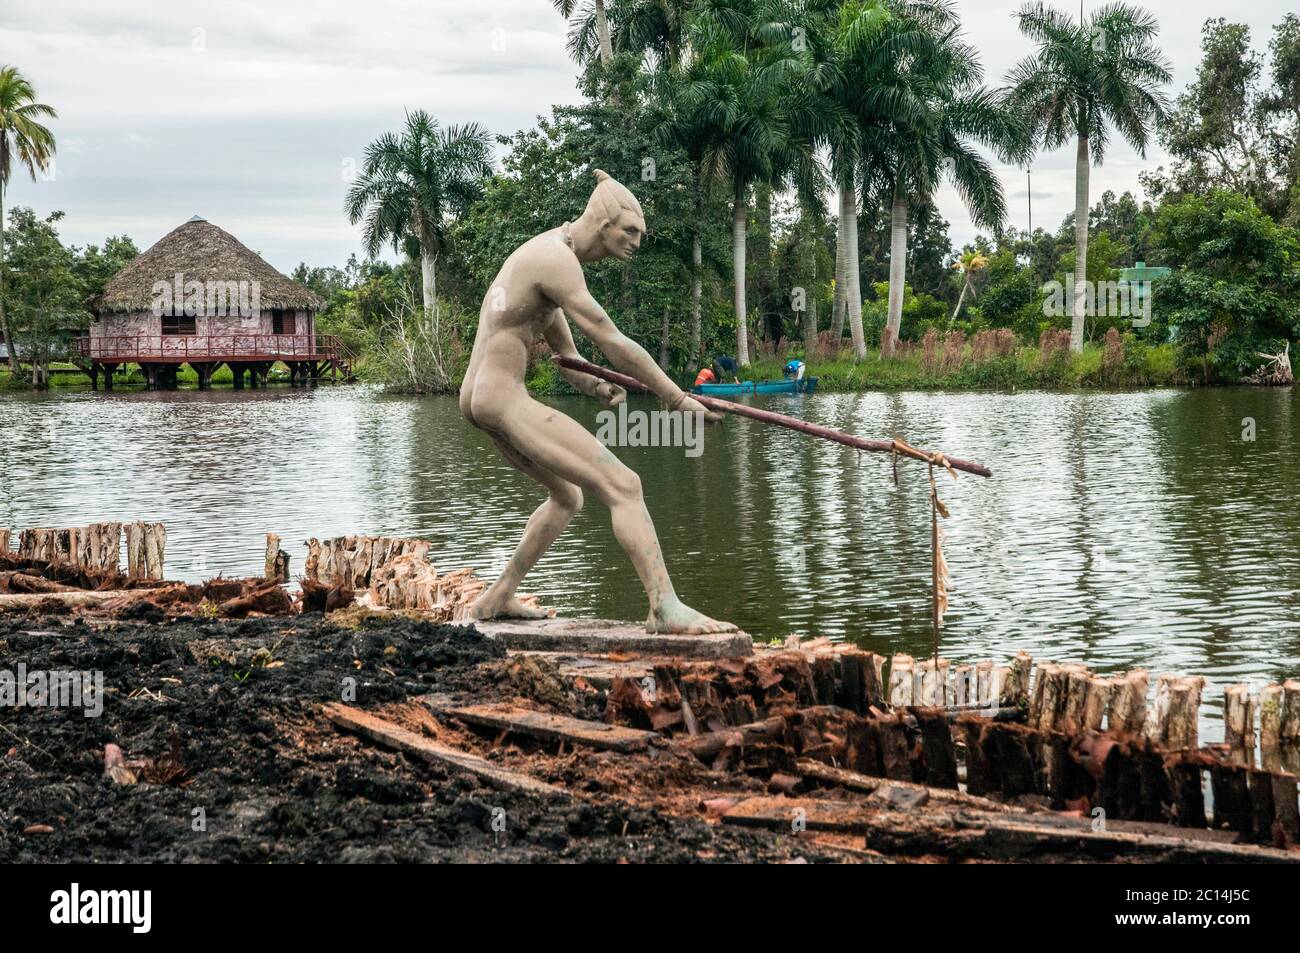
[1119, 529]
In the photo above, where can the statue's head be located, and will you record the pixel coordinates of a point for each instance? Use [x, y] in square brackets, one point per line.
[614, 215]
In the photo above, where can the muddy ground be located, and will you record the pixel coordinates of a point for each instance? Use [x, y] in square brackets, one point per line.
[225, 714]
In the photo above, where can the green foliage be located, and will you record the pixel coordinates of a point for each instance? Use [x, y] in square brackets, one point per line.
[44, 300]
[1235, 284]
[547, 180]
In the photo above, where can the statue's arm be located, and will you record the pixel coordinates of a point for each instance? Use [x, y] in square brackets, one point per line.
[566, 286]
[560, 339]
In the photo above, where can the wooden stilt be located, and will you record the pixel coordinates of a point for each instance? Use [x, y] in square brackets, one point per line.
[1127, 708]
[964, 686]
[1232, 809]
[983, 683]
[1015, 693]
[1239, 724]
[901, 690]
[1172, 720]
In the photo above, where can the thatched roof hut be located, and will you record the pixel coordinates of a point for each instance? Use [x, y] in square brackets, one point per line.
[200, 251]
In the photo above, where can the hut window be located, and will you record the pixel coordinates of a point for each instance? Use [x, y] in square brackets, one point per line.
[178, 324]
[284, 322]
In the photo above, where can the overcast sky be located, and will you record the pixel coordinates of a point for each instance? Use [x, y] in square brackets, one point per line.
[248, 113]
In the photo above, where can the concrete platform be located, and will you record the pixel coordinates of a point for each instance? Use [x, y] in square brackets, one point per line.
[604, 636]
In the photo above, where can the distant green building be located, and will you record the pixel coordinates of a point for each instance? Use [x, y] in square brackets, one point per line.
[1140, 272]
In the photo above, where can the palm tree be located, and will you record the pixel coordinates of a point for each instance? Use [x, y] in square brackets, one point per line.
[580, 38]
[924, 114]
[681, 124]
[969, 263]
[733, 86]
[413, 184]
[31, 145]
[838, 40]
[1106, 69]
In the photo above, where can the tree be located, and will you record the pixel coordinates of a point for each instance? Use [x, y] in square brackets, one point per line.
[733, 87]
[1105, 70]
[968, 264]
[831, 40]
[94, 266]
[44, 297]
[925, 113]
[24, 141]
[1281, 105]
[586, 29]
[1235, 287]
[546, 180]
[412, 187]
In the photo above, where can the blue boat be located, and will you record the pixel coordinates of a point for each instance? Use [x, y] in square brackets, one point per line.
[805, 386]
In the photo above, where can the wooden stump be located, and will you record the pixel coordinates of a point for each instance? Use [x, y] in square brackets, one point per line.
[1096, 701]
[1127, 709]
[895, 748]
[1239, 724]
[1232, 808]
[901, 692]
[1188, 793]
[1015, 691]
[1007, 751]
[937, 748]
[94, 547]
[4, 541]
[1262, 810]
[1286, 811]
[983, 682]
[1172, 720]
[964, 685]
[277, 560]
[352, 560]
[979, 775]
[931, 685]
[146, 545]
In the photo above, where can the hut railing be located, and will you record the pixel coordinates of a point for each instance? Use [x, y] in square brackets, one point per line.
[214, 347]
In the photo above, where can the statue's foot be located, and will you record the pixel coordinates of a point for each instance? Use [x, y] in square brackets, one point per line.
[678, 618]
[490, 606]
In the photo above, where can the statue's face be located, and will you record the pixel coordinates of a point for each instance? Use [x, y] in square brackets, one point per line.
[623, 235]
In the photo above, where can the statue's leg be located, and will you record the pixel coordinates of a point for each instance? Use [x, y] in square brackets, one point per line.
[555, 443]
[548, 521]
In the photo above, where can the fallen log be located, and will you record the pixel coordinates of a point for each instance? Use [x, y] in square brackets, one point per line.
[706, 745]
[394, 736]
[781, 420]
[550, 727]
[266, 597]
[853, 781]
[960, 833]
[70, 600]
[23, 582]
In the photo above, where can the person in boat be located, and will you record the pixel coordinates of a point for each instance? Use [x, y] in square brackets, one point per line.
[538, 285]
[705, 376]
[724, 366]
[794, 370]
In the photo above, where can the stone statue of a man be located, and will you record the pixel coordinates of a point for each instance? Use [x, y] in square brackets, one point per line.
[539, 282]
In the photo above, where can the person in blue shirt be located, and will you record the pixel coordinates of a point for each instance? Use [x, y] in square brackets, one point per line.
[794, 370]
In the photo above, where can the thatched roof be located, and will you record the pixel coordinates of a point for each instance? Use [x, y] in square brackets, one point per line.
[200, 251]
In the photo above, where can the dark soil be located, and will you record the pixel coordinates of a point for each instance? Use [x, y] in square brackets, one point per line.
[269, 778]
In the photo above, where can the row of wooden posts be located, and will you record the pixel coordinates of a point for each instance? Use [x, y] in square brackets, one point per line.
[97, 547]
[1062, 697]
[1069, 698]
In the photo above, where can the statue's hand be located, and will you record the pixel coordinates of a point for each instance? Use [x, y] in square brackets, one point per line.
[610, 395]
[691, 406]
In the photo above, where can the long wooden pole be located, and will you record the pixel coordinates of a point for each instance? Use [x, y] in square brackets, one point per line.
[781, 420]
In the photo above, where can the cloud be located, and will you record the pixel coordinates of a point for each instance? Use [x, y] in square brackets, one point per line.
[244, 111]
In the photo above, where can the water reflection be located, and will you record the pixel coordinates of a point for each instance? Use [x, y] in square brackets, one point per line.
[1119, 529]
